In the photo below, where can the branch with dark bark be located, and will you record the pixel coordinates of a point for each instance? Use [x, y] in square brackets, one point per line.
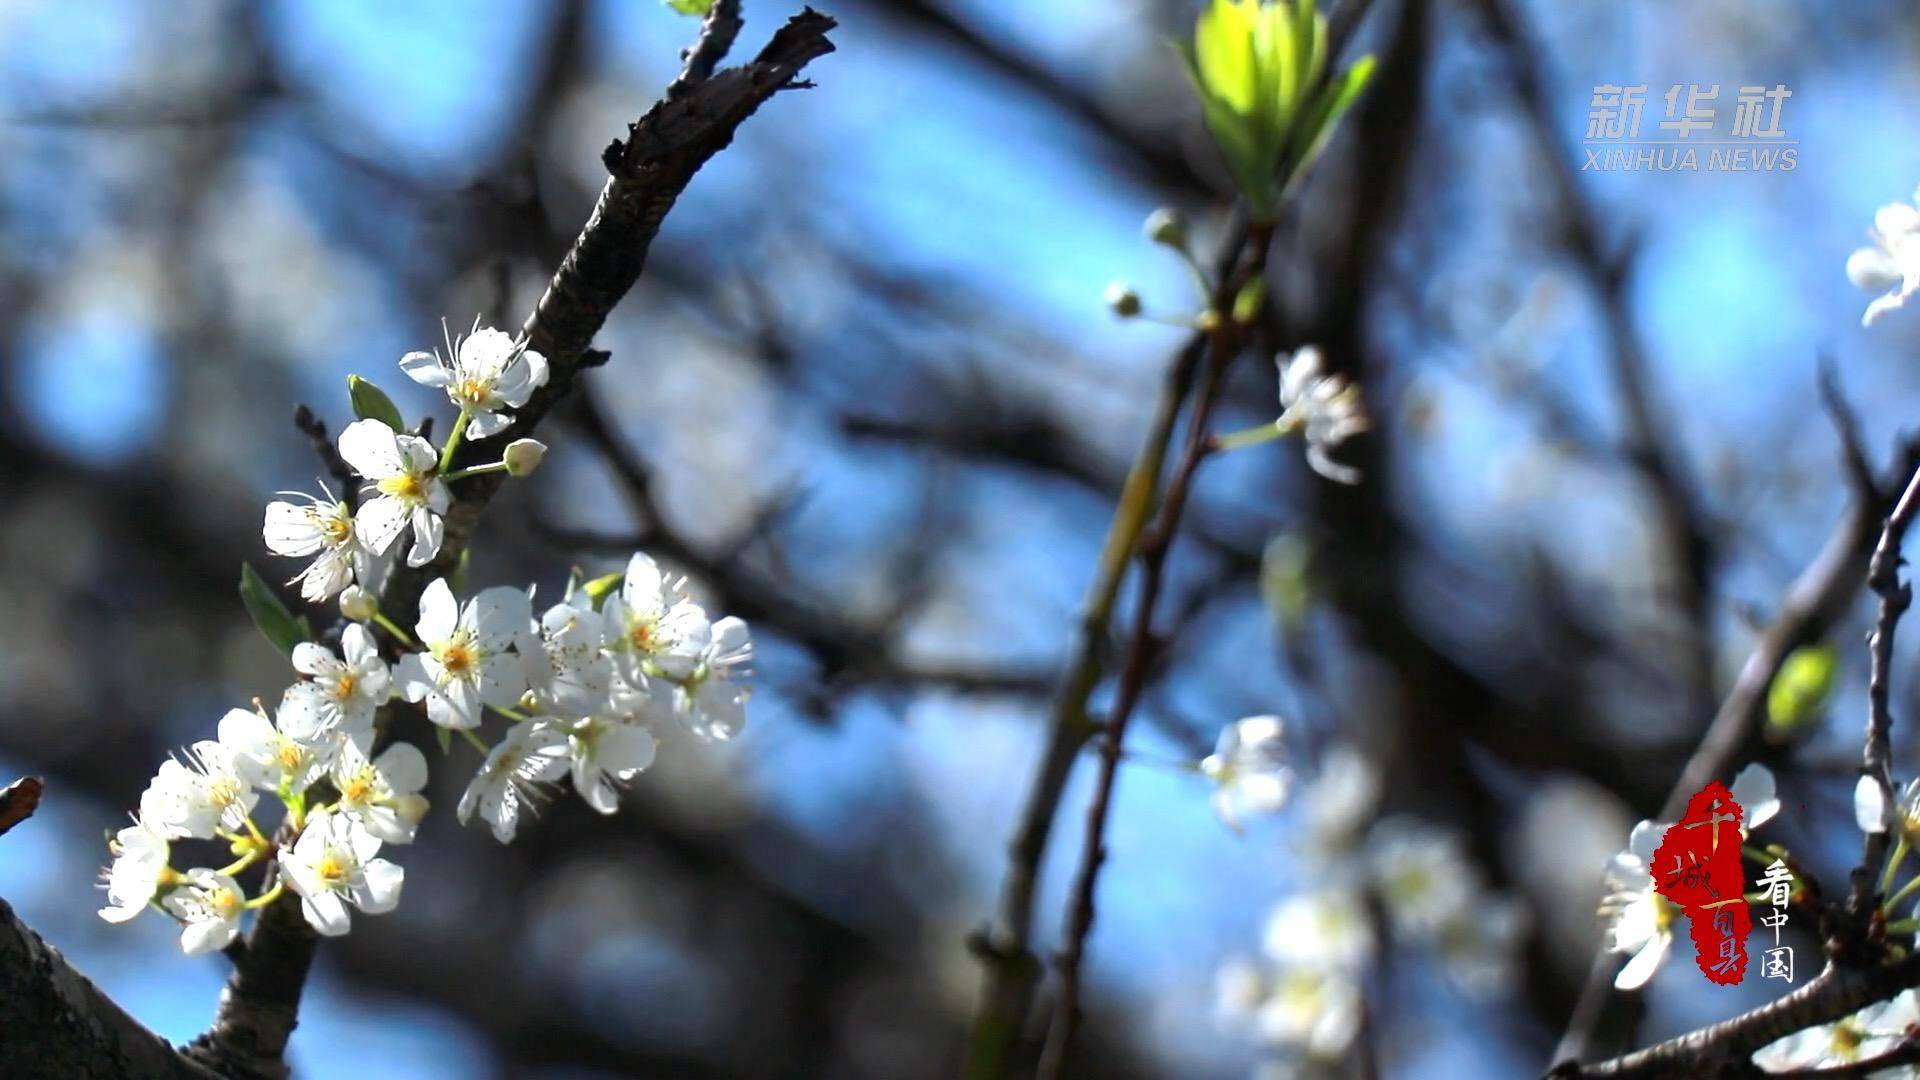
[1814, 603]
[54, 1022]
[258, 1010]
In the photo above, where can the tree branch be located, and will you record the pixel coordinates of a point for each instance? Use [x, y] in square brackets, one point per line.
[54, 1022]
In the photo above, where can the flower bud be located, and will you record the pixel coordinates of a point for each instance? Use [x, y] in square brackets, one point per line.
[411, 807]
[1123, 301]
[1166, 226]
[358, 604]
[523, 456]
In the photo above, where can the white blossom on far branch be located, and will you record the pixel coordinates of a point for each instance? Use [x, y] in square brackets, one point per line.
[1326, 410]
[483, 373]
[1890, 265]
[1249, 770]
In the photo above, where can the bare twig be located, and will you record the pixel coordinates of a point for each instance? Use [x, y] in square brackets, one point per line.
[315, 429]
[1224, 344]
[1883, 577]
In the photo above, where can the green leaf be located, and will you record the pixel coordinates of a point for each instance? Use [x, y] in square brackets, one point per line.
[1246, 305]
[372, 403]
[1317, 126]
[602, 587]
[1800, 690]
[691, 7]
[269, 614]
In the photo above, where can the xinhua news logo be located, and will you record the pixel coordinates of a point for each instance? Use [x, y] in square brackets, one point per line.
[1692, 137]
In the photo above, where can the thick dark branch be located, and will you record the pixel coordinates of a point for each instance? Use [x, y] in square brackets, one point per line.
[53, 1022]
[1724, 1049]
[18, 801]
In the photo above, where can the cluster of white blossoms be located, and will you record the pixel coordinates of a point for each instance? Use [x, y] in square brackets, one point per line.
[1890, 265]
[1303, 997]
[406, 490]
[582, 689]
[1639, 921]
[1850, 1040]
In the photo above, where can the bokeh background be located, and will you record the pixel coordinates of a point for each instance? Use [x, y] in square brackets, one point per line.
[883, 414]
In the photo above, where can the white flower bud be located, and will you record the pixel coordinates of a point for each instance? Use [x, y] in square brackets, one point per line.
[1166, 226]
[358, 604]
[523, 456]
[1123, 301]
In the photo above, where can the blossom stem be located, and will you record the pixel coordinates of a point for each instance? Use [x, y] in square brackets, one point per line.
[1903, 926]
[1906, 890]
[498, 466]
[512, 714]
[467, 734]
[453, 440]
[390, 627]
[1893, 862]
[267, 897]
[1252, 436]
[252, 856]
[254, 831]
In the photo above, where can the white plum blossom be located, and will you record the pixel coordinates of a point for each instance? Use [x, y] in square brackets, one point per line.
[1327, 928]
[1870, 809]
[1248, 767]
[209, 905]
[1873, 814]
[213, 789]
[483, 373]
[1338, 802]
[1314, 1011]
[324, 529]
[711, 700]
[140, 855]
[1639, 920]
[605, 753]
[282, 761]
[567, 672]
[655, 628]
[530, 754]
[467, 662]
[1754, 790]
[406, 490]
[1325, 408]
[1423, 877]
[332, 865]
[1866, 1034]
[1478, 950]
[382, 795]
[343, 693]
[1891, 264]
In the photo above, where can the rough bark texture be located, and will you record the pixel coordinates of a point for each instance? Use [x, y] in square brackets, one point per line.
[52, 1021]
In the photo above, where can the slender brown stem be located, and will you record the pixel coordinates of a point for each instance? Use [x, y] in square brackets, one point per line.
[1223, 346]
